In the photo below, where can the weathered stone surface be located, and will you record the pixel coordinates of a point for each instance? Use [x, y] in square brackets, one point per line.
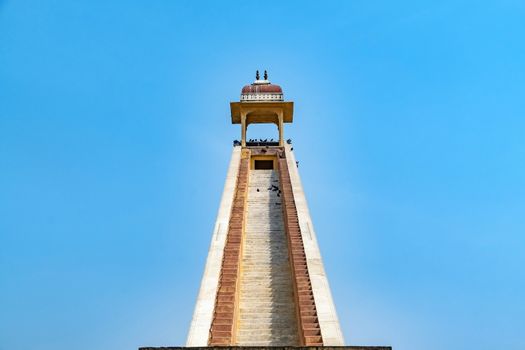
[267, 308]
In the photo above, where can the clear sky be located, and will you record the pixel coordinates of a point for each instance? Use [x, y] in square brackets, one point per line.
[115, 138]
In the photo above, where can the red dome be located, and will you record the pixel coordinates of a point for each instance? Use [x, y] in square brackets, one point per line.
[261, 89]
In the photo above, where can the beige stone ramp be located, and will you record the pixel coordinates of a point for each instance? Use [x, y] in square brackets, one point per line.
[266, 305]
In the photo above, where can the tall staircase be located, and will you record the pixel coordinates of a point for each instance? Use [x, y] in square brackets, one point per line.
[266, 305]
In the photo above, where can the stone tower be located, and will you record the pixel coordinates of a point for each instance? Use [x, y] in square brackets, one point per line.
[264, 283]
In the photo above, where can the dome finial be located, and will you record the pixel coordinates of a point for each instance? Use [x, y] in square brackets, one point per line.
[257, 75]
[265, 75]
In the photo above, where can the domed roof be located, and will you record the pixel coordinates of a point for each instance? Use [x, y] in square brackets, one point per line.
[261, 90]
[259, 87]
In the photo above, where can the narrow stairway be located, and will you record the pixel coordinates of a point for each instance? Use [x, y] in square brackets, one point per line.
[267, 309]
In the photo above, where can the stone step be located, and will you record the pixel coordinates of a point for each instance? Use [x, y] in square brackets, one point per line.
[281, 268]
[263, 313]
[265, 341]
[275, 304]
[264, 290]
[269, 265]
[266, 279]
[259, 341]
[281, 271]
[263, 253]
[266, 323]
[274, 266]
[261, 256]
[267, 318]
[283, 332]
[267, 312]
[264, 231]
[269, 228]
[267, 289]
[275, 250]
[269, 279]
[257, 258]
[266, 282]
[265, 237]
[267, 261]
[256, 335]
[248, 296]
[275, 297]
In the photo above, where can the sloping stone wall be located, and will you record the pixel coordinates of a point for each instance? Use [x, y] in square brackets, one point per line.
[223, 327]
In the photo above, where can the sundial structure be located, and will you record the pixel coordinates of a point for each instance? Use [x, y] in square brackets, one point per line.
[264, 283]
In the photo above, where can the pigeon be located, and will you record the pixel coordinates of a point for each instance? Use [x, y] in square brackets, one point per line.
[289, 141]
[291, 149]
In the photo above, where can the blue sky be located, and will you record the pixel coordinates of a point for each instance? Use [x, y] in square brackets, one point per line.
[115, 138]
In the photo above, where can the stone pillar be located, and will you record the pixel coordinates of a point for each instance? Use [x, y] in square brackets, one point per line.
[281, 127]
[243, 128]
